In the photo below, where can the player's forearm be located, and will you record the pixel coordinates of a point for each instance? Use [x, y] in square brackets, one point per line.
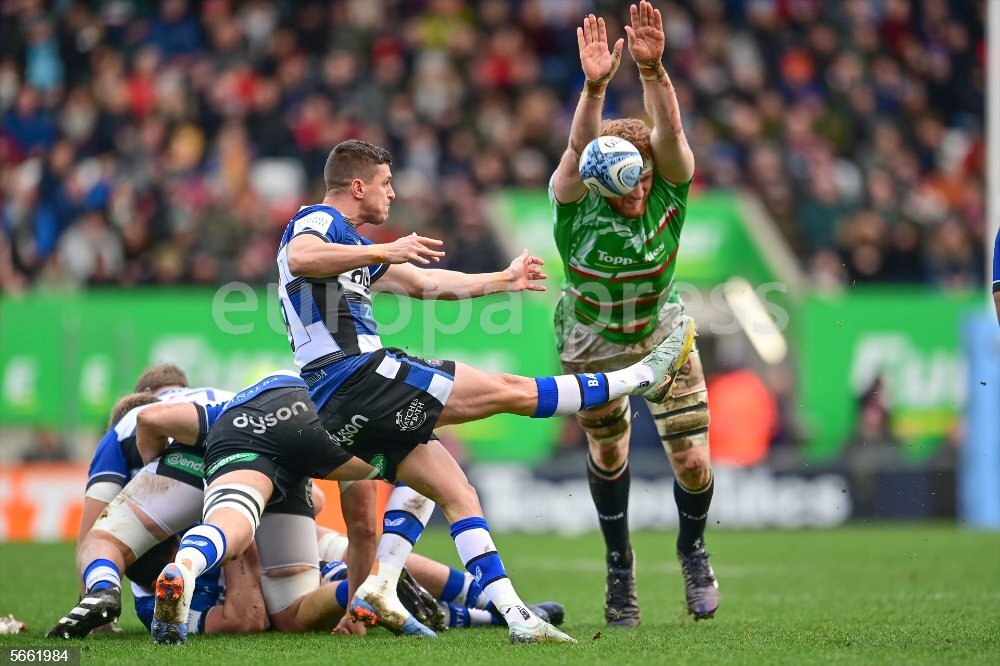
[452, 285]
[331, 259]
[586, 123]
[670, 146]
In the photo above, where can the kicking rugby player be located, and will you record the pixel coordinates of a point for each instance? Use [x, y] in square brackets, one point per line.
[380, 404]
[619, 300]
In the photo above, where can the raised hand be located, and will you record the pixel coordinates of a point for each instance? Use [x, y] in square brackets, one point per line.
[413, 248]
[598, 62]
[645, 35]
[523, 272]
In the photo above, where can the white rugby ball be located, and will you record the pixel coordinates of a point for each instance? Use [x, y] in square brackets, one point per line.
[610, 166]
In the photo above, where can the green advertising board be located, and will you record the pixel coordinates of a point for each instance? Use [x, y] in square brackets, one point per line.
[69, 371]
[906, 344]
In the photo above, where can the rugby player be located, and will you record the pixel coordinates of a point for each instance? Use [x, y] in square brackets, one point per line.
[619, 301]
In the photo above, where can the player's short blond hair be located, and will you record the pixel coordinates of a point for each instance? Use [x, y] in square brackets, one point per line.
[632, 130]
[128, 403]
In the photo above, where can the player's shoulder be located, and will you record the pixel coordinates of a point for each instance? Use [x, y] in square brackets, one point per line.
[319, 219]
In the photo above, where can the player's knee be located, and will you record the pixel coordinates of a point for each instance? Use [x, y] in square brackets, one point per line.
[607, 427]
[692, 467]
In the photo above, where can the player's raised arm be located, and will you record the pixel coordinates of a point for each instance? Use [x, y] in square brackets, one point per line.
[671, 152]
[156, 424]
[523, 274]
[599, 65]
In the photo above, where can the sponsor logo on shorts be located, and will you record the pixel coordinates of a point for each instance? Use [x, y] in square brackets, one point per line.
[309, 493]
[389, 522]
[345, 436]
[435, 363]
[260, 424]
[186, 462]
[412, 417]
[379, 463]
[314, 377]
[230, 459]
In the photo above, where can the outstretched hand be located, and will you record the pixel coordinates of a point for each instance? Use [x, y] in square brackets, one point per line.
[598, 62]
[523, 272]
[348, 627]
[645, 35]
[413, 248]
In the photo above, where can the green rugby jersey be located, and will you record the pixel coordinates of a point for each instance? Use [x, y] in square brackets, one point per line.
[619, 271]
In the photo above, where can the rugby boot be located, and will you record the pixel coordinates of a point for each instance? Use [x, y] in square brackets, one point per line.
[376, 605]
[701, 589]
[421, 603]
[518, 619]
[552, 612]
[173, 592]
[666, 359]
[95, 609]
[621, 605]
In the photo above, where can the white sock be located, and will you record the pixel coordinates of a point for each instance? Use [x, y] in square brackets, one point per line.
[479, 554]
[406, 515]
[627, 380]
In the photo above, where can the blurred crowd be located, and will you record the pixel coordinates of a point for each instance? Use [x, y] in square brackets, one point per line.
[169, 142]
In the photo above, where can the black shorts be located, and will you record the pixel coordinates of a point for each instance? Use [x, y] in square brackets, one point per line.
[183, 463]
[276, 433]
[388, 407]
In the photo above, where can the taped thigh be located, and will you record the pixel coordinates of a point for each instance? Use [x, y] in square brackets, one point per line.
[682, 421]
[280, 592]
[287, 540]
[173, 505]
[242, 498]
[607, 428]
[120, 521]
[332, 546]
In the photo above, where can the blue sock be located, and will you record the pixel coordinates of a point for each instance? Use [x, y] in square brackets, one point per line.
[204, 546]
[454, 586]
[341, 593]
[568, 394]
[101, 574]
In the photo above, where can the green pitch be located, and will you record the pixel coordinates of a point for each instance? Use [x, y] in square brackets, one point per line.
[876, 595]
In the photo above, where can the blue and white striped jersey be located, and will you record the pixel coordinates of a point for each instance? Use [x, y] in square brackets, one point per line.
[329, 320]
[117, 458]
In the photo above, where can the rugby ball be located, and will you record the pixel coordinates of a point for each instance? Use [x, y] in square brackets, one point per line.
[610, 166]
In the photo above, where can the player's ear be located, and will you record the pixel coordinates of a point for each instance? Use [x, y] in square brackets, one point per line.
[358, 188]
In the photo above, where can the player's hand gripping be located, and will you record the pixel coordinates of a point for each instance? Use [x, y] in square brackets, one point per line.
[413, 248]
[522, 273]
[599, 64]
[645, 35]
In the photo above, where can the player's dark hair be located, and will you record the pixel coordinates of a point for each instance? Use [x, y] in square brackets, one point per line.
[352, 159]
[128, 403]
[156, 377]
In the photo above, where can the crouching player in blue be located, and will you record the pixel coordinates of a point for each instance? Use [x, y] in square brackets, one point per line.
[129, 507]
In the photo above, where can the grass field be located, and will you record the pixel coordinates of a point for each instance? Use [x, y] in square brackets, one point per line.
[877, 595]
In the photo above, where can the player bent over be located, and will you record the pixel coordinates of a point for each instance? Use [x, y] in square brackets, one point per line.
[619, 301]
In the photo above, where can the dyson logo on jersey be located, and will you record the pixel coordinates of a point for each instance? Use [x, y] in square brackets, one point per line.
[260, 424]
[346, 434]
